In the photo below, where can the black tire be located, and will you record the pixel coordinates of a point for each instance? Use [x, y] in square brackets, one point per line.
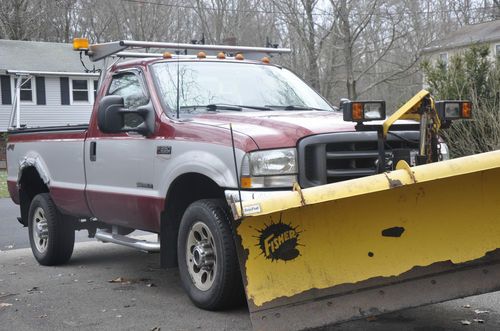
[226, 291]
[60, 240]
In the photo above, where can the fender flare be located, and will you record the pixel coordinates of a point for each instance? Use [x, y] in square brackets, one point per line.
[213, 168]
[36, 161]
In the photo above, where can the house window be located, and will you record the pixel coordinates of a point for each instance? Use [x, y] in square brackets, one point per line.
[443, 57]
[79, 91]
[27, 91]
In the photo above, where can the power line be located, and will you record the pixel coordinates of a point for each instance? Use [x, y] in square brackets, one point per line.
[320, 12]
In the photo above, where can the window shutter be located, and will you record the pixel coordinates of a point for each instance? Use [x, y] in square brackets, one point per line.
[5, 86]
[40, 91]
[64, 90]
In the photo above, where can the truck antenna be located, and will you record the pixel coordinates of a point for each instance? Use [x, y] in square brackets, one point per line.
[178, 65]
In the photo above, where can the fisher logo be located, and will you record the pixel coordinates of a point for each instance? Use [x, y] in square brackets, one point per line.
[279, 241]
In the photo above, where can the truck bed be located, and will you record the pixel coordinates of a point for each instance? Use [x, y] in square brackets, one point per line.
[57, 153]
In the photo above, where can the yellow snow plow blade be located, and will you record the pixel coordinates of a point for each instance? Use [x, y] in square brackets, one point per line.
[371, 245]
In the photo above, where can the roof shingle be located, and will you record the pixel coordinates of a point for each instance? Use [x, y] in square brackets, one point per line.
[41, 56]
[467, 35]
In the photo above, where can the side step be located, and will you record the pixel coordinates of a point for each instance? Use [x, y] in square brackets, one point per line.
[143, 245]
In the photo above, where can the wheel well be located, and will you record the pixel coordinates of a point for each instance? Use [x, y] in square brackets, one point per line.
[30, 185]
[183, 191]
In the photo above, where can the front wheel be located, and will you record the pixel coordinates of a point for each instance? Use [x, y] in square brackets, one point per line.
[208, 264]
[52, 238]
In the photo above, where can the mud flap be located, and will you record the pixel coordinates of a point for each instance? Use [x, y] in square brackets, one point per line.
[372, 245]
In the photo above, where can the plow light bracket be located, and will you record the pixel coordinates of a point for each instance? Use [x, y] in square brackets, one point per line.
[449, 110]
[361, 111]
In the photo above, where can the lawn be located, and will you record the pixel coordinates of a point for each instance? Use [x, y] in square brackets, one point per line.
[4, 193]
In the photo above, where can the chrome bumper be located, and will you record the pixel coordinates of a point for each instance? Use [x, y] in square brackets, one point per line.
[233, 196]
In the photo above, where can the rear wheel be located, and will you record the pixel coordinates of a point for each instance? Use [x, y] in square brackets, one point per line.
[208, 264]
[51, 236]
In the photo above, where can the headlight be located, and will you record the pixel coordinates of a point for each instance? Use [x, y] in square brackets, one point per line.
[450, 110]
[360, 111]
[273, 162]
[271, 168]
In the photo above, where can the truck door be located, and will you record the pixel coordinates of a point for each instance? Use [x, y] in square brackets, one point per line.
[119, 167]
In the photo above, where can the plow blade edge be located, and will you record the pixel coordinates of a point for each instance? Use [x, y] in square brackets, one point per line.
[363, 247]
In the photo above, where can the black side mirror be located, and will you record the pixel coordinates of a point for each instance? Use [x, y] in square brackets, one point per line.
[112, 113]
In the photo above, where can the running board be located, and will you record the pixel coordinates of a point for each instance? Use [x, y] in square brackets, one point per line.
[142, 245]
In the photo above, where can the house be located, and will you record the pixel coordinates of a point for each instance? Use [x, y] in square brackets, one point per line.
[56, 89]
[461, 39]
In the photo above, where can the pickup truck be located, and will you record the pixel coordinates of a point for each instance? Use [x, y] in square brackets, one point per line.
[172, 141]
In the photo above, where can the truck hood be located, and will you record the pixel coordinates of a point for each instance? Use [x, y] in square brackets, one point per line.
[274, 129]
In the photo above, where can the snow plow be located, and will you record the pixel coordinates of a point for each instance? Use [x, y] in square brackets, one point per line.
[367, 246]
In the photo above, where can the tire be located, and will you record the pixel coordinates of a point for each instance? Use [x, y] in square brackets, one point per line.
[214, 256]
[52, 238]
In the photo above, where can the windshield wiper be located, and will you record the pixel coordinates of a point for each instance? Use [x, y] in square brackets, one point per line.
[212, 107]
[293, 107]
[220, 106]
[255, 107]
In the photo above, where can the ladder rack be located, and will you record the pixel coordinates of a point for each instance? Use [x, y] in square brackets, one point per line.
[97, 52]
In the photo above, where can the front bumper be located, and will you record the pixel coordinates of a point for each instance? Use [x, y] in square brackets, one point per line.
[233, 196]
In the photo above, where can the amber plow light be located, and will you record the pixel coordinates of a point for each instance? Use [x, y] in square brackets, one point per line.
[449, 110]
[80, 44]
[467, 110]
[360, 111]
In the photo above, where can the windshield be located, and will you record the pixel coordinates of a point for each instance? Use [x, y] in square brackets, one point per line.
[213, 87]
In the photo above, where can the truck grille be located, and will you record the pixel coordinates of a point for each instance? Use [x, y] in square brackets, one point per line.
[334, 157]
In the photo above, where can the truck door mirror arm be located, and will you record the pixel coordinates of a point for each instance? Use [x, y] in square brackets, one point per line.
[112, 112]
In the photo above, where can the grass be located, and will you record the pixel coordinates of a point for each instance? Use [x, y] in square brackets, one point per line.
[4, 193]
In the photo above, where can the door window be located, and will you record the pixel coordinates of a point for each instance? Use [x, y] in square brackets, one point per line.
[129, 86]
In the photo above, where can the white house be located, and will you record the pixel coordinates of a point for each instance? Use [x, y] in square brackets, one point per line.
[56, 89]
[461, 39]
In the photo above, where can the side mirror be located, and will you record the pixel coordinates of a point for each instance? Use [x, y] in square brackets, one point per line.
[111, 116]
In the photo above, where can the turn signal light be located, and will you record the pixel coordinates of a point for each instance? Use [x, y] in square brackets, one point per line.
[467, 110]
[239, 56]
[360, 111]
[80, 44]
[246, 182]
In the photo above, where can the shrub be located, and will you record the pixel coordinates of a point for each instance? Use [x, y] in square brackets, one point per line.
[469, 76]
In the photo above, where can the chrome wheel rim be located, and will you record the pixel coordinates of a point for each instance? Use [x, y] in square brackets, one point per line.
[201, 256]
[40, 230]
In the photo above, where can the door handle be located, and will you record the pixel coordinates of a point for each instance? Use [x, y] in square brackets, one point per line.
[93, 150]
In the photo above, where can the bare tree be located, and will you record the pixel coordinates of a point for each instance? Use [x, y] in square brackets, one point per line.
[18, 19]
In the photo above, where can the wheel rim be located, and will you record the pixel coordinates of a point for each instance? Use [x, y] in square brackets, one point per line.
[201, 256]
[40, 230]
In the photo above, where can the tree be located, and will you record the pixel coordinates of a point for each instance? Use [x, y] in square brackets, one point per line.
[18, 19]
